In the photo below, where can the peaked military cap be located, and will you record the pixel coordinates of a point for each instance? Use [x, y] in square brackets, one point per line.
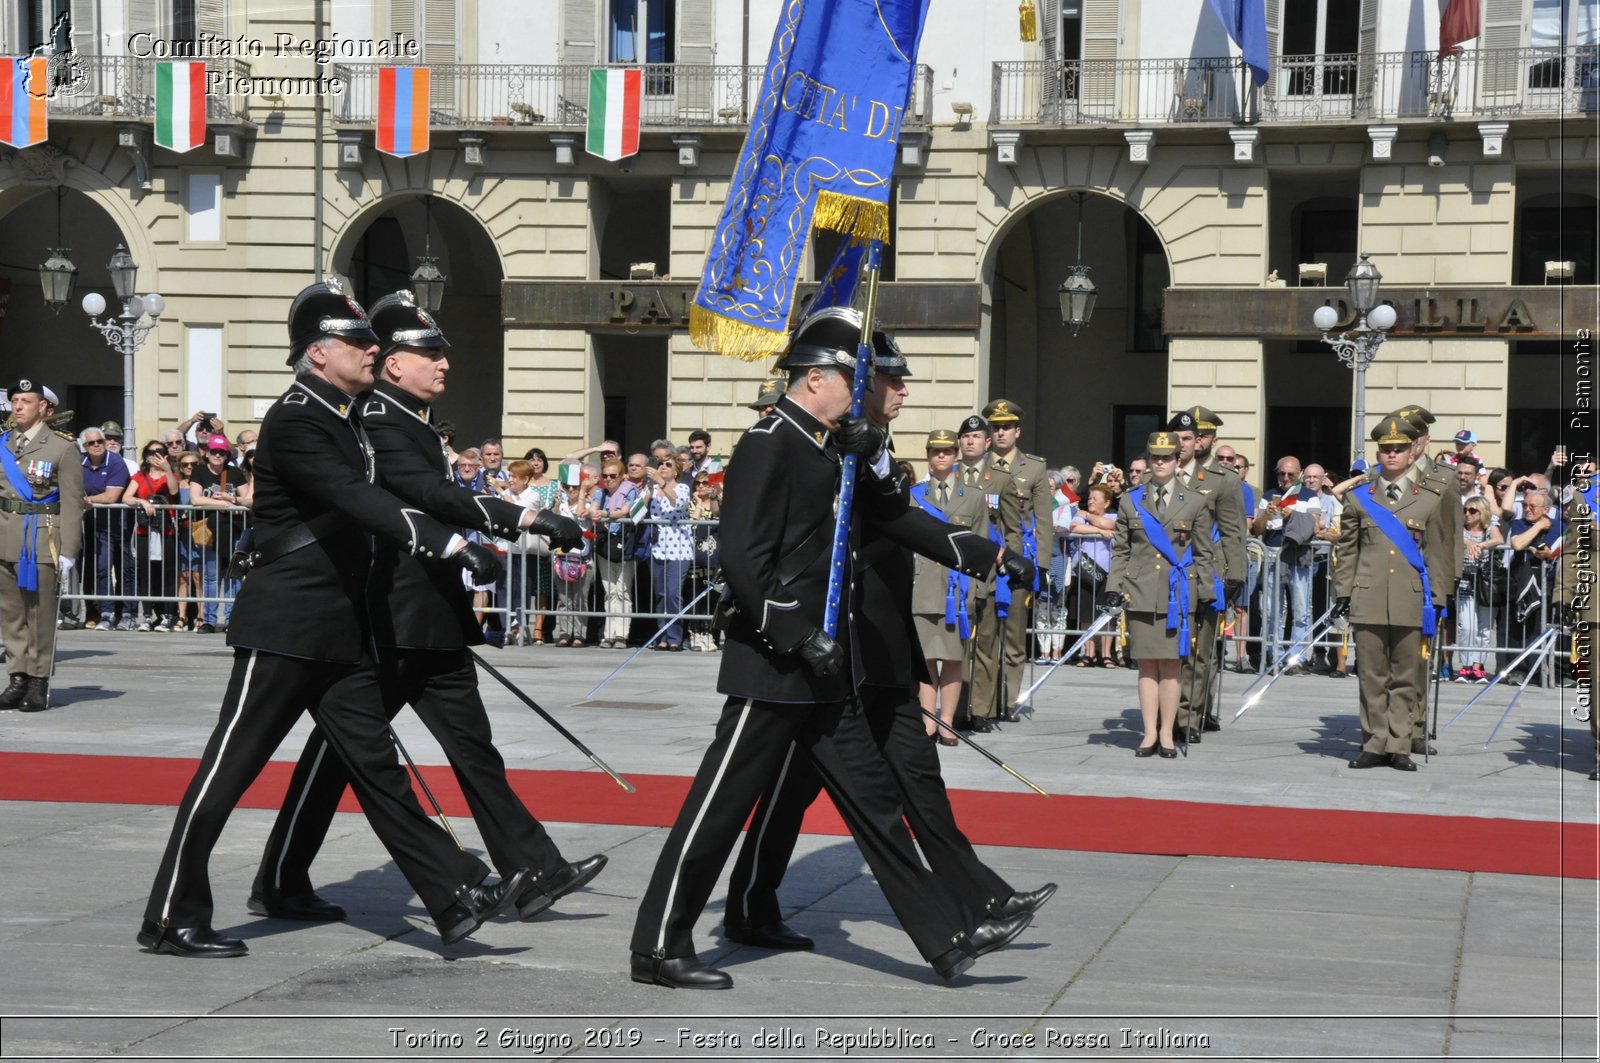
[1419, 418]
[1002, 411]
[887, 358]
[1182, 421]
[326, 309]
[400, 322]
[1204, 419]
[973, 424]
[827, 338]
[772, 390]
[940, 439]
[1395, 429]
[1161, 443]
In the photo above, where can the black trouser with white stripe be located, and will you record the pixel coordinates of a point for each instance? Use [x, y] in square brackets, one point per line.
[442, 686]
[753, 743]
[895, 722]
[266, 695]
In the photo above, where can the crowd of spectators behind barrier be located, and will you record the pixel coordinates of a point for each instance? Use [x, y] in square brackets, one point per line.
[154, 559]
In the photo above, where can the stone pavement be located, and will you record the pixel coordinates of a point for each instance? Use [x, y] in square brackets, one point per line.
[1139, 956]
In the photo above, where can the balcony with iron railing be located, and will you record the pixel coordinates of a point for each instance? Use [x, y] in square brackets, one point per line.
[1389, 86]
[677, 96]
[123, 88]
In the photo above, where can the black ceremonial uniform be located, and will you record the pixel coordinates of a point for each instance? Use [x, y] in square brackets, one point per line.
[776, 532]
[422, 622]
[892, 666]
[301, 642]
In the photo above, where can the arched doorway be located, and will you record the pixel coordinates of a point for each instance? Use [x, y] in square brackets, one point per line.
[378, 254]
[1094, 396]
[59, 348]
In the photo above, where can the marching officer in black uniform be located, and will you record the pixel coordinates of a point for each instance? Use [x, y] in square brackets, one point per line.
[422, 622]
[892, 665]
[790, 687]
[302, 642]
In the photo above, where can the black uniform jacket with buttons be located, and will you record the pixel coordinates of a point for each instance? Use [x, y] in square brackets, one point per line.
[310, 461]
[776, 544]
[421, 602]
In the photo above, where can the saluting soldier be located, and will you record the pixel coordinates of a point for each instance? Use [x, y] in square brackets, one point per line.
[423, 624]
[1196, 431]
[1025, 507]
[41, 528]
[1391, 575]
[1162, 574]
[892, 664]
[302, 641]
[790, 687]
[1444, 477]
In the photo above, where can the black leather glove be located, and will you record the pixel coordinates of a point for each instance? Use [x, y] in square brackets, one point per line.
[482, 562]
[564, 532]
[1231, 588]
[1341, 608]
[822, 655]
[1018, 569]
[857, 435]
[1114, 600]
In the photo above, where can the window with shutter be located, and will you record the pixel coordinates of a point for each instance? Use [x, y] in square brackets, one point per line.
[1102, 31]
[1320, 42]
[696, 52]
[86, 28]
[1503, 36]
[211, 17]
[580, 21]
[1052, 31]
[439, 53]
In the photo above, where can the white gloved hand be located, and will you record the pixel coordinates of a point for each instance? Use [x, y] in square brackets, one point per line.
[64, 569]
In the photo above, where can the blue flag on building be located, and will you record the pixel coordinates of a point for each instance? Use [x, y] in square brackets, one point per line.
[820, 152]
[1246, 23]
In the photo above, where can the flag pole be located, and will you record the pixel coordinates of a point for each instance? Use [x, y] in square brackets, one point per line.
[847, 479]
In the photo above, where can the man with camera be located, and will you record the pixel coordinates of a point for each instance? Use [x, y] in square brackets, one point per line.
[302, 642]
[791, 687]
[423, 624]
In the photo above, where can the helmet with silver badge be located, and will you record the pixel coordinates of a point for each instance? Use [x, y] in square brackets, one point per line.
[400, 322]
[827, 338]
[326, 308]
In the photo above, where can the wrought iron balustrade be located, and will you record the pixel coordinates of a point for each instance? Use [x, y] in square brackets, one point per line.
[124, 87]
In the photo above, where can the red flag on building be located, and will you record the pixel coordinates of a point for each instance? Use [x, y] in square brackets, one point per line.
[1458, 22]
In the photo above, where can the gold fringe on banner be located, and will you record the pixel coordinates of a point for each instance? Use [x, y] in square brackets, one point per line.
[1028, 17]
[733, 339]
[863, 219]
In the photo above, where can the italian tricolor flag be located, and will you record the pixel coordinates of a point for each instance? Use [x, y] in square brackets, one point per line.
[614, 112]
[180, 105]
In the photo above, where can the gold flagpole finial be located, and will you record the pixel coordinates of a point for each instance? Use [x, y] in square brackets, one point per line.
[1028, 17]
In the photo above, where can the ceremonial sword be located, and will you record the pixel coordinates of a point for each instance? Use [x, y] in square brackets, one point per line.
[662, 630]
[1320, 628]
[1548, 636]
[1107, 614]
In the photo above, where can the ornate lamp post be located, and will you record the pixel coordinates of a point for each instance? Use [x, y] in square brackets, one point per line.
[427, 283]
[1358, 347]
[126, 332]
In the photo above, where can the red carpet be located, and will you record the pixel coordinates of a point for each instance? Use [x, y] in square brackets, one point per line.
[1093, 824]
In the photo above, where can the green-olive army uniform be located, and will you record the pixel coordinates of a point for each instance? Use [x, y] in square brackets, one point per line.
[930, 595]
[1024, 505]
[1443, 477]
[1221, 487]
[50, 531]
[1386, 596]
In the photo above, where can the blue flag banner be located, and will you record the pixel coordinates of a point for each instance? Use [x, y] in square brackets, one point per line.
[820, 152]
[1246, 23]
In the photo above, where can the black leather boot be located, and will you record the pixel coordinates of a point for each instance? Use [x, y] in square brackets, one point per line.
[38, 696]
[14, 692]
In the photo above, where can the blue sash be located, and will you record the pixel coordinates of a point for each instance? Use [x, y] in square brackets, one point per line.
[28, 562]
[955, 591]
[1030, 546]
[1002, 586]
[1397, 534]
[1177, 577]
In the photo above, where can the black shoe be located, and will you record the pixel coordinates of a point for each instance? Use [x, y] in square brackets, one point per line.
[1402, 762]
[1009, 717]
[38, 696]
[1192, 738]
[950, 964]
[1420, 746]
[206, 629]
[981, 725]
[995, 934]
[771, 936]
[301, 907]
[546, 890]
[1370, 760]
[685, 972]
[1211, 724]
[1145, 751]
[1594, 776]
[962, 723]
[1018, 903]
[197, 942]
[15, 691]
[1167, 752]
[478, 905]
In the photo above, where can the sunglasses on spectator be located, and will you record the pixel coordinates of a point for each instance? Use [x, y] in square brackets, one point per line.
[188, 464]
[1285, 472]
[611, 475]
[94, 442]
[156, 453]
